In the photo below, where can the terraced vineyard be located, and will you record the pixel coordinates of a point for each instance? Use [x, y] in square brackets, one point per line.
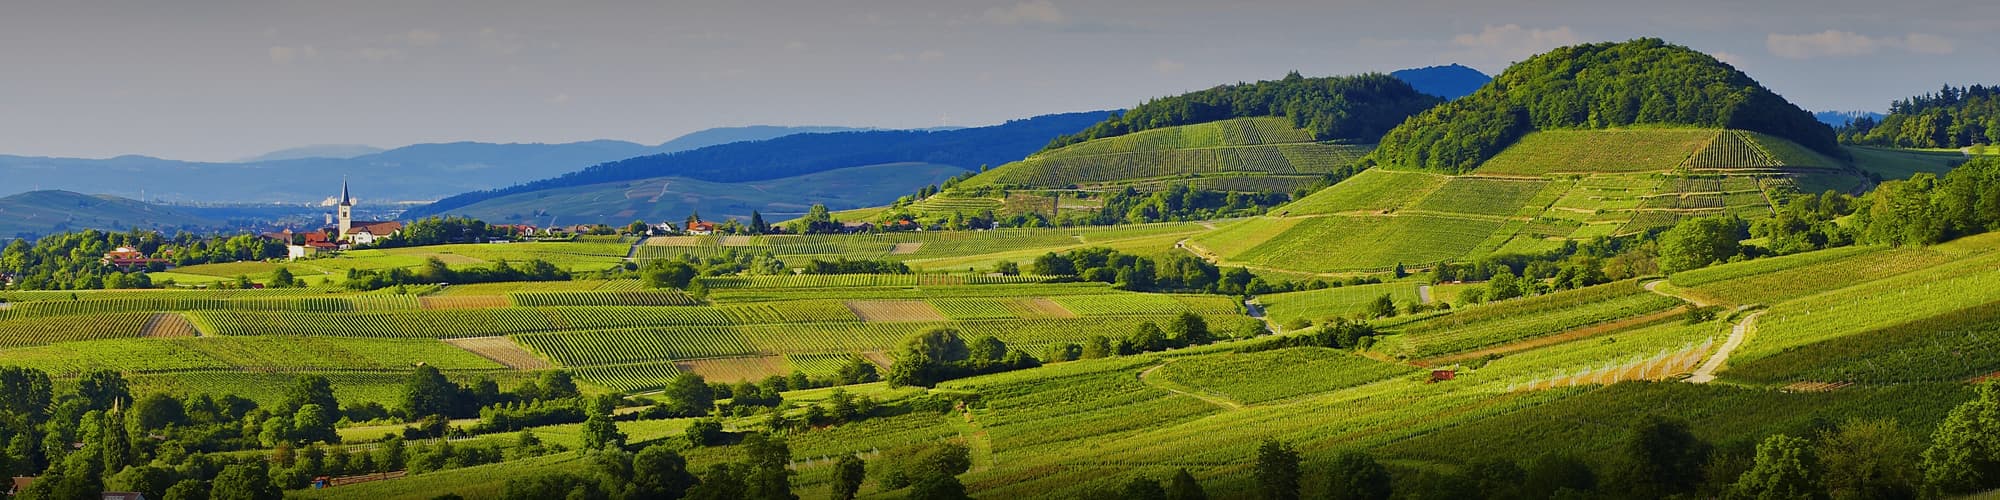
[1598, 151]
[1246, 145]
[1473, 327]
[1340, 302]
[1372, 190]
[1365, 243]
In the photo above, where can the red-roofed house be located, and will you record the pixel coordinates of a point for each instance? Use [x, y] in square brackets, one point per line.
[128, 258]
[700, 228]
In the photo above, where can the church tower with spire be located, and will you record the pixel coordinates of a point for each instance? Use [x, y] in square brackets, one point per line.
[346, 211]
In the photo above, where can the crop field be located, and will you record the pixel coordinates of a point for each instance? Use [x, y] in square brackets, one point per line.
[1245, 378]
[501, 350]
[1590, 423]
[889, 311]
[1598, 151]
[1345, 243]
[1788, 153]
[1473, 327]
[1482, 196]
[631, 298]
[609, 347]
[1902, 163]
[453, 323]
[630, 377]
[1953, 346]
[507, 287]
[39, 331]
[752, 295]
[1340, 302]
[1938, 291]
[1776, 279]
[1372, 190]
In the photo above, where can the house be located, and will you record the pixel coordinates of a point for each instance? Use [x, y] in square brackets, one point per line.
[663, 228]
[855, 227]
[1443, 375]
[20, 484]
[366, 233]
[128, 258]
[700, 228]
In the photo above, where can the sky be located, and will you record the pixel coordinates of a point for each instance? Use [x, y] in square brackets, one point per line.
[218, 80]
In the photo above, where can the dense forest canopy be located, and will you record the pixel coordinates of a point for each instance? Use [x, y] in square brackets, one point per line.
[1954, 117]
[1354, 108]
[802, 154]
[1640, 82]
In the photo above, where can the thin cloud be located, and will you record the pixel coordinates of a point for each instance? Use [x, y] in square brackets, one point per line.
[1835, 43]
[1164, 65]
[1503, 44]
[286, 55]
[1035, 12]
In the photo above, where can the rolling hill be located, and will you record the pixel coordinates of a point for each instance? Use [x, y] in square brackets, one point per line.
[803, 154]
[417, 172]
[673, 198]
[1449, 81]
[36, 213]
[1544, 188]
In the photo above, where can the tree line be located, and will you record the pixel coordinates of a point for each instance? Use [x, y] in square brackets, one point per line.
[1953, 117]
[1593, 86]
[1354, 108]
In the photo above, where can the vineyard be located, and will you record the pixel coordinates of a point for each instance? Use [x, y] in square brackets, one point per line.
[1598, 151]
[1340, 302]
[1482, 196]
[1345, 243]
[1473, 327]
[1372, 190]
[1314, 370]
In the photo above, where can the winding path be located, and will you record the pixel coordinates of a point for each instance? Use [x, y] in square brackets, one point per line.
[1706, 373]
[1224, 403]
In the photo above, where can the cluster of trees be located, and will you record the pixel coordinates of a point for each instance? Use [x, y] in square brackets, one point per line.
[445, 230]
[1661, 458]
[1954, 117]
[943, 354]
[681, 272]
[660, 472]
[100, 437]
[1643, 81]
[1179, 202]
[72, 261]
[1335, 333]
[864, 266]
[1179, 272]
[1927, 209]
[435, 271]
[1357, 108]
[1189, 329]
[802, 154]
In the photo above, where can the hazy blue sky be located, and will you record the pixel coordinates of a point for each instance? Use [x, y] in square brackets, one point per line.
[224, 79]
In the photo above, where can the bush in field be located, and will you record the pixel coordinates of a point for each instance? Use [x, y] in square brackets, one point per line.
[1698, 242]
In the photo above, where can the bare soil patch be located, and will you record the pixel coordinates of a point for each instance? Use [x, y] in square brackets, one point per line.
[1039, 309]
[168, 325]
[906, 248]
[737, 369]
[502, 350]
[889, 311]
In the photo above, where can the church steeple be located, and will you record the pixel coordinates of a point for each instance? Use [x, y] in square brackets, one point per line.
[346, 210]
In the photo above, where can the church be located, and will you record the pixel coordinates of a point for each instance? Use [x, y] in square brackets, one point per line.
[355, 232]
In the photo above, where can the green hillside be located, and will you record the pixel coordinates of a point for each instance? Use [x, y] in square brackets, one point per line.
[1597, 86]
[44, 212]
[1243, 147]
[673, 198]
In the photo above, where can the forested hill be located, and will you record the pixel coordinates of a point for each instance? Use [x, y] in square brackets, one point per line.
[1450, 81]
[802, 154]
[1356, 108]
[1640, 82]
[1954, 117]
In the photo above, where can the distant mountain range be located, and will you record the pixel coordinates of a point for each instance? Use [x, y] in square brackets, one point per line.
[1449, 81]
[780, 158]
[1838, 118]
[335, 151]
[418, 172]
[40, 213]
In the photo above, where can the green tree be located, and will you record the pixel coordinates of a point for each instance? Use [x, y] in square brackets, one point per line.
[282, 278]
[688, 394]
[659, 472]
[1869, 459]
[1551, 474]
[943, 345]
[1277, 471]
[1183, 487]
[243, 482]
[311, 390]
[427, 392]
[663, 273]
[1661, 458]
[151, 481]
[156, 411]
[547, 486]
[767, 477]
[1964, 455]
[1189, 329]
[599, 432]
[704, 432]
[1785, 469]
[1142, 488]
[1098, 346]
[720, 482]
[858, 370]
[187, 489]
[558, 384]
[1355, 475]
[938, 488]
[100, 389]
[1698, 242]
[1382, 307]
[1147, 337]
[848, 475]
